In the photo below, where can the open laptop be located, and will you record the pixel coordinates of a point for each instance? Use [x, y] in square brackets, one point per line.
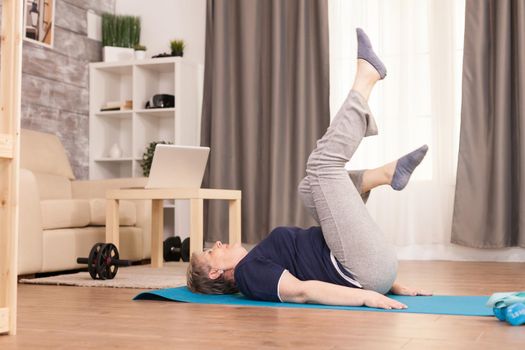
[176, 166]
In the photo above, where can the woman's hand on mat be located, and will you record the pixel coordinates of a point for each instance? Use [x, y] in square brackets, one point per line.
[317, 292]
[378, 300]
[400, 289]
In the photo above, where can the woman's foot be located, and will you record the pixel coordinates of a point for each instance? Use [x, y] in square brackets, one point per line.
[399, 171]
[370, 69]
[366, 52]
[366, 73]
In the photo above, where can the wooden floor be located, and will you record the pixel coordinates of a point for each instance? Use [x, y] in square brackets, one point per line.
[85, 318]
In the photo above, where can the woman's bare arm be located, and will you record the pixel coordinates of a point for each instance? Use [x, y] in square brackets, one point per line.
[294, 290]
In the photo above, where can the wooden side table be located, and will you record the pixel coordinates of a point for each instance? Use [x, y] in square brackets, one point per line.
[196, 197]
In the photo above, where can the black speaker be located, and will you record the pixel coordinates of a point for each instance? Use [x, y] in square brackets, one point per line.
[161, 101]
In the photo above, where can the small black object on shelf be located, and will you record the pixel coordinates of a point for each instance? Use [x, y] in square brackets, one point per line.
[103, 261]
[164, 54]
[174, 249]
[161, 101]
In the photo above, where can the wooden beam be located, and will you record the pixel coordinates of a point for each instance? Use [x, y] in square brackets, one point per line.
[196, 225]
[112, 222]
[235, 221]
[6, 146]
[10, 84]
[157, 232]
[174, 193]
[4, 320]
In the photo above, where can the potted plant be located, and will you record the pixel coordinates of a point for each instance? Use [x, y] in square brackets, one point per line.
[140, 52]
[120, 34]
[177, 47]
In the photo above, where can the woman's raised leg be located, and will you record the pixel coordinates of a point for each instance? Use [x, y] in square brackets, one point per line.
[351, 234]
[364, 181]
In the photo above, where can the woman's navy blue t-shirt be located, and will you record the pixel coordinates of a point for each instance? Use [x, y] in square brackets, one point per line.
[303, 252]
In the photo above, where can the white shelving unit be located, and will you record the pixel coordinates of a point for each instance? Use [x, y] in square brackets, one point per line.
[133, 130]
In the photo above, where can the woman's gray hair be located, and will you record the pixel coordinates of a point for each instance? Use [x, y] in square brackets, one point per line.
[198, 281]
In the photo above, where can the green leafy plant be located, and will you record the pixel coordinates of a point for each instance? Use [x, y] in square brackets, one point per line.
[147, 157]
[177, 47]
[140, 47]
[134, 30]
[108, 29]
[120, 31]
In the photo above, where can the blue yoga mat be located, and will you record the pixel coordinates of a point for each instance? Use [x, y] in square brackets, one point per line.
[437, 304]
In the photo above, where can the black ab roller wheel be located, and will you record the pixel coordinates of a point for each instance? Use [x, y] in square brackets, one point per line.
[91, 261]
[103, 261]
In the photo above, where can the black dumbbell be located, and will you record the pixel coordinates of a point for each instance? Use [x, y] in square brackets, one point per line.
[185, 250]
[174, 249]
[103, 261]
[171, 248]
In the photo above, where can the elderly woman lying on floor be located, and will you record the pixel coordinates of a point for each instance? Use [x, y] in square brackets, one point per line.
[345, 261]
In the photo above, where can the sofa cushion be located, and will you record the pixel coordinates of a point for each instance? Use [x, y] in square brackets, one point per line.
[53, 186]
[30, 225]
[63, 247]
[64, 213]
[127, 212]
[44, 153]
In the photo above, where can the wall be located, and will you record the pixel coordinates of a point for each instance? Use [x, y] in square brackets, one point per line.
[165, 20]
[55, 95]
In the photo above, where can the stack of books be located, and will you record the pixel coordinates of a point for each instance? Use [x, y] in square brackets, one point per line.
[117, 106]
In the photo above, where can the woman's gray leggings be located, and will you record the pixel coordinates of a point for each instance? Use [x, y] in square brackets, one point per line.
[332, 195]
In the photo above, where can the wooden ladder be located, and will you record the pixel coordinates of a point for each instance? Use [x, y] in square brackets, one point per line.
[10, 85]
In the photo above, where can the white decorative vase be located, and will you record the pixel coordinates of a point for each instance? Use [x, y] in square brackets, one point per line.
[113, 54]
[115, 151]
[140, 54]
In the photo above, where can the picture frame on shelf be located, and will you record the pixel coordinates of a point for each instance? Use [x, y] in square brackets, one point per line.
[39, 21]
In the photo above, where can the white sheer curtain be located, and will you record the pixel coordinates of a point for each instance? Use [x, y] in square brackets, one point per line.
[421, 44]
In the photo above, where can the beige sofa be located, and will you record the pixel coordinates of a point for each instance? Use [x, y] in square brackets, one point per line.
[61, 218]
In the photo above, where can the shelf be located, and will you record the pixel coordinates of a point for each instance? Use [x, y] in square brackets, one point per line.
[133, 130]
[157, 112]
[115, 114]
[158, 64]
[114, 67]
[125, 159]
[161, 65]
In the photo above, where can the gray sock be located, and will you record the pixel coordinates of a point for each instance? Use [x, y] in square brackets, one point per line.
[366, 52]
[405, 166]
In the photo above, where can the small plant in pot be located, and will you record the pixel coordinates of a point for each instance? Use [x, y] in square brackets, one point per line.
[140, 52]
[147, 157]
[177, 47]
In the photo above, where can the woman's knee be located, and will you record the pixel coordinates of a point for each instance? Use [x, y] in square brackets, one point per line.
[383, 280]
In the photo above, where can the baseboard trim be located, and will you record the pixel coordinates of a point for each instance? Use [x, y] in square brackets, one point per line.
[459, 253]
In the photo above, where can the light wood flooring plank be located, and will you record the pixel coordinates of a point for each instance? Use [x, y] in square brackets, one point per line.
[52, 317]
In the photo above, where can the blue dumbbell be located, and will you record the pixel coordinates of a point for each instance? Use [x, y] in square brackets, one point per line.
[514, 314]
[500, 313]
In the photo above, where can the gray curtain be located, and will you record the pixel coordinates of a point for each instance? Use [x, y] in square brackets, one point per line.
[266, 102]
[489, 210]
